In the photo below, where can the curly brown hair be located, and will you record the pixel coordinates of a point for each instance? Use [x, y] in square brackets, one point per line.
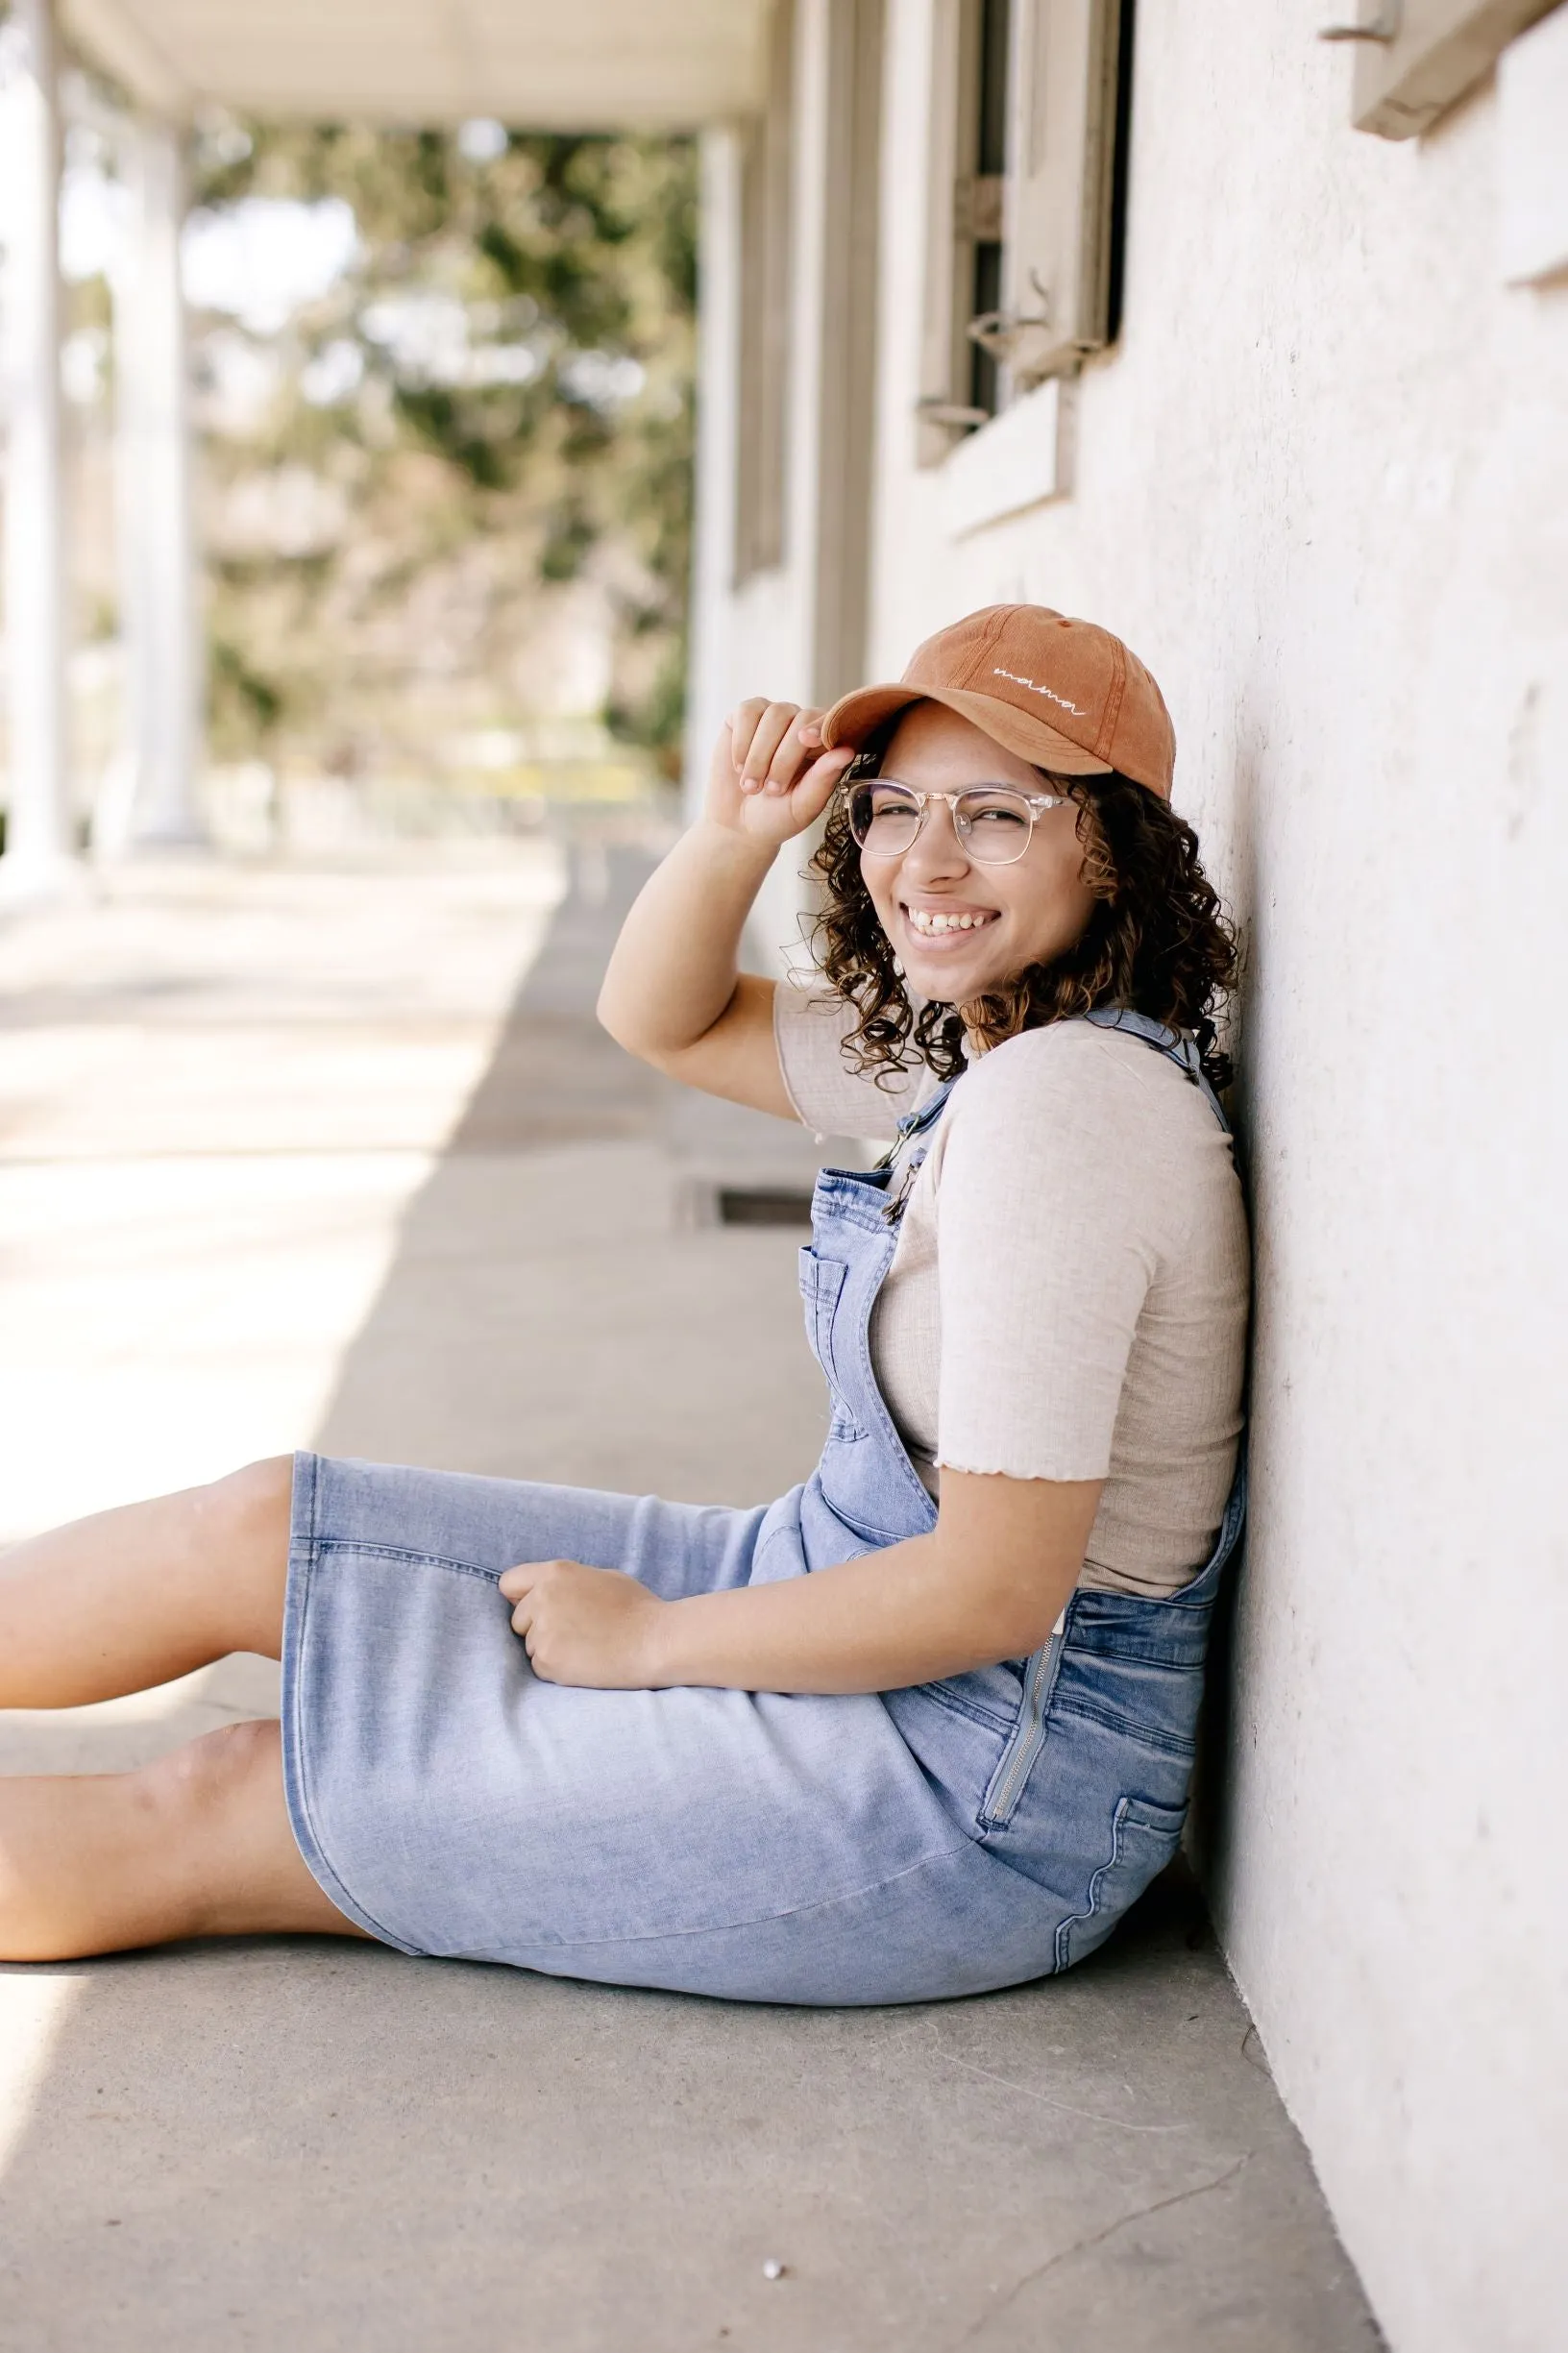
[1158, 942]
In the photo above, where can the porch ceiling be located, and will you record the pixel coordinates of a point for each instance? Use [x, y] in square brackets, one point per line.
[567, 64]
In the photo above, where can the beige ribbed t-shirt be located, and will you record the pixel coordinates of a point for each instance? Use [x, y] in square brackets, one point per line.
[1068, 1295]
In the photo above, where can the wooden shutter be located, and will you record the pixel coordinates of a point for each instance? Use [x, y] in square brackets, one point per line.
[1417, 57]
[1057, 298]
[943, 402]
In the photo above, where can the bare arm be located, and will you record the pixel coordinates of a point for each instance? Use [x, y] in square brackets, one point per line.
[674, 993]
[988, 1582]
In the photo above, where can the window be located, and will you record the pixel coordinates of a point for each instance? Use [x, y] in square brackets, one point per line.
[1417, 57]
[978, 202]
[1029, 124]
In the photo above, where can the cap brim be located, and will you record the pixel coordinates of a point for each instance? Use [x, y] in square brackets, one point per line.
[856, 716]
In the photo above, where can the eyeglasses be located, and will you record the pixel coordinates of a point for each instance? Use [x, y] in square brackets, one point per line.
[994, 821]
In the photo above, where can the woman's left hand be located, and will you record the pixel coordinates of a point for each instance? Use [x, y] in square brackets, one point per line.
[594, 1627]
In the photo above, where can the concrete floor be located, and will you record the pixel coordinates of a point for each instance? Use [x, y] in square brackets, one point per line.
[339, 1159]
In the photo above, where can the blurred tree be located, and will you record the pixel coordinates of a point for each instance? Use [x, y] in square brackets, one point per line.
[493, 399]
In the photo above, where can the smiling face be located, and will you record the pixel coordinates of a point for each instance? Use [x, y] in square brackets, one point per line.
[958, 925]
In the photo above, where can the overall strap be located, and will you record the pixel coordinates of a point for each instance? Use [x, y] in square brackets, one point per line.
[910, 1131]
[1170, 1042]
[916, 1122]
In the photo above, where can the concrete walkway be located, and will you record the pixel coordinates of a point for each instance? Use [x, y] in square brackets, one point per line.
[339, 1159]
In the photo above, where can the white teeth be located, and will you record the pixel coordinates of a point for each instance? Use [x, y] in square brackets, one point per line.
[924, 920]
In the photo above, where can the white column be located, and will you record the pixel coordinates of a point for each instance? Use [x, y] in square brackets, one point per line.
[38, 854]
[709, 685]
[153, 466]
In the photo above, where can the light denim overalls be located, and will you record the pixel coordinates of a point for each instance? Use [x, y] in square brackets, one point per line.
[946, 1839]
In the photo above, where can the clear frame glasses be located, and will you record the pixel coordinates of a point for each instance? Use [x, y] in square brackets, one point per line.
[994, 821]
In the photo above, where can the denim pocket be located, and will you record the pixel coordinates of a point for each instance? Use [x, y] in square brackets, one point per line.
[822, 1287]
[1144, 1839]
[993, 1696]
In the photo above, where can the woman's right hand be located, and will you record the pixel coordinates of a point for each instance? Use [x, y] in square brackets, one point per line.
[771, 777]
[673, 992]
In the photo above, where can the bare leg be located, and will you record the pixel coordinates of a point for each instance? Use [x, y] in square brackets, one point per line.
[198, 1844]
[133, 1598]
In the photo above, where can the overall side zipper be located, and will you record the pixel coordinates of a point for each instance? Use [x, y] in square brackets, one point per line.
[1028, 1738]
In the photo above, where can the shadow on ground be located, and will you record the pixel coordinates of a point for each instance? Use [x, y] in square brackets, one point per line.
[323, 2145]
[319, 2147]
[560, 1307]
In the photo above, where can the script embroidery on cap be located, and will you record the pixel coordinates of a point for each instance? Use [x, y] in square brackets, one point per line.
[1049, 693]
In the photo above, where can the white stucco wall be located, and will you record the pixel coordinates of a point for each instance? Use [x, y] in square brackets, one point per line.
[1322, 486]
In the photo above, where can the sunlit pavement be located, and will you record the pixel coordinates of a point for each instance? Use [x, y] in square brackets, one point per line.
[337, 1158]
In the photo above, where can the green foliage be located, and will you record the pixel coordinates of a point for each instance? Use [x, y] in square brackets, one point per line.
[495, 397]
[242, 703]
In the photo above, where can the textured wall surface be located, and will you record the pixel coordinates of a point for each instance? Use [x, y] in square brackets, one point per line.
[1321, 484]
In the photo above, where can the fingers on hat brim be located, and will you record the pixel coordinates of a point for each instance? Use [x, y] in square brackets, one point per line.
[856, 716]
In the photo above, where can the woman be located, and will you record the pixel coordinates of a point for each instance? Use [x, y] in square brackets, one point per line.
[923, 1726]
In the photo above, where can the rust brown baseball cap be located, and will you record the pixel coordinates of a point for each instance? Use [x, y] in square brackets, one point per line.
[1063, 694]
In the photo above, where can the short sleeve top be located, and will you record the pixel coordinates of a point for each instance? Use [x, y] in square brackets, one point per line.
[1068, 1294]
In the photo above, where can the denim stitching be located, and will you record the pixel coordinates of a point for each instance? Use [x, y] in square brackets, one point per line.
[1092, 1653]
[350, 1905]
[874, 1538]
[1090, 1711]
[989, 1719]
[785, 1527]
[823, 1328]
[1064, 1933]
[406, 1554]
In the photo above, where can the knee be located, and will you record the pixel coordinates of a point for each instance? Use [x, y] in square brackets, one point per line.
[254, 1503]
[205, 1782]
[236, 1539]
[107, 1862]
